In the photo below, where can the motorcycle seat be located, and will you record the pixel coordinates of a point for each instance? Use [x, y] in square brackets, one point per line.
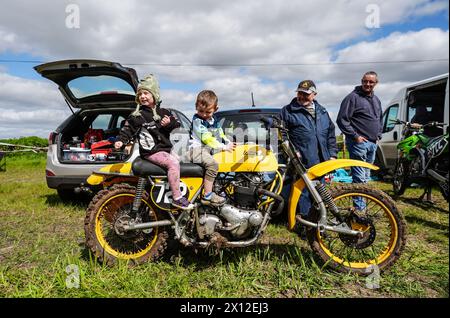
[142, 167]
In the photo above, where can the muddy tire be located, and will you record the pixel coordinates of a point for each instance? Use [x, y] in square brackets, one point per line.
[106, 244]
[383, 226]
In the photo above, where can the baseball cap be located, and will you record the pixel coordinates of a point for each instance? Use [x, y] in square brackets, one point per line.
[307, 86]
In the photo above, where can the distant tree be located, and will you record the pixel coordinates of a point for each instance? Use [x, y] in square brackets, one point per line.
[27, 141]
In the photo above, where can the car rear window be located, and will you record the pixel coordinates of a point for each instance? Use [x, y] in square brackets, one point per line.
[96, 85]
[248, 123]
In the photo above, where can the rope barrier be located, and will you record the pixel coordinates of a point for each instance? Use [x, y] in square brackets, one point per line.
[34, 149]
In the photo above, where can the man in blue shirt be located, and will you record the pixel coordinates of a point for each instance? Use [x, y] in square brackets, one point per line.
[310, 130]
[360, 120]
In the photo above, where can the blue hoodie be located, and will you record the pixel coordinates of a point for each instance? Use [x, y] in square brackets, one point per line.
[360, 115]
[314, 138]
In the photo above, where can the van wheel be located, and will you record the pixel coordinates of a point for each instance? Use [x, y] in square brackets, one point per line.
[380, 173]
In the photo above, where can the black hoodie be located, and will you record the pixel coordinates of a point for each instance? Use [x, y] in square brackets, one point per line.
[360, 115]
[152, 137]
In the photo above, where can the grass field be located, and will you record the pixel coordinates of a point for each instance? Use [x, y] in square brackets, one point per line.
[42, 254]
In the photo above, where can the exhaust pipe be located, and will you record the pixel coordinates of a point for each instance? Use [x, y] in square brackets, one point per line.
[82, 189]
[437, 177]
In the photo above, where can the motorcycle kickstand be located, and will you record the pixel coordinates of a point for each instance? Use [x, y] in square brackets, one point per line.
[427, 191]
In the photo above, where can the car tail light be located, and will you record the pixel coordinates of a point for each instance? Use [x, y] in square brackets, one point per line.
[52, 138]
[48, 173]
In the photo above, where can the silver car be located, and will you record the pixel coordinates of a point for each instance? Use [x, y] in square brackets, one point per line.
[100, 95]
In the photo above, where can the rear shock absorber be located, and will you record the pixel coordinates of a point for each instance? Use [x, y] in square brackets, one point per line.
[139, 192]
[325, 194]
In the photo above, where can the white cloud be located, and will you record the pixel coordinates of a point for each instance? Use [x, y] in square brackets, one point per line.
[210, 32]
[426, 44]
[18, 94]
[29, 107]
[431, 8]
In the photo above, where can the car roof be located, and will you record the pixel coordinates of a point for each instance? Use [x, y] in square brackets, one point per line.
[248, 110]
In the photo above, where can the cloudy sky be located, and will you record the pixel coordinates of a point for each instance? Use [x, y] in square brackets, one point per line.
[232, 47]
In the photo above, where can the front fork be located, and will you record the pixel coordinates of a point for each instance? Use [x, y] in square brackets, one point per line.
[321, 196]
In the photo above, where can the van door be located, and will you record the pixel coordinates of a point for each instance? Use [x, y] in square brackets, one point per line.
[446, 114]
[391, 136]
[426, 103]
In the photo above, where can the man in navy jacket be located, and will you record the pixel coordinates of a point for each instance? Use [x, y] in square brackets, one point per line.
[360, 119]
[310, 130]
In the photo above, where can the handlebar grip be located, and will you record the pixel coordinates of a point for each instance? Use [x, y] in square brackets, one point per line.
[265, 120]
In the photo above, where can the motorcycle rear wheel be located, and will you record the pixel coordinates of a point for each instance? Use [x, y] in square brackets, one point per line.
[106, 244]
[383, 226]
[400, 177]
[444, 188]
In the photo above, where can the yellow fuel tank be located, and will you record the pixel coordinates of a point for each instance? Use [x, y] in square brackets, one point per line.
[247, 158]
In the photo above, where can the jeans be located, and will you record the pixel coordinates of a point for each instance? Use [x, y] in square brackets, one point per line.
[305, 203]
[364, 151]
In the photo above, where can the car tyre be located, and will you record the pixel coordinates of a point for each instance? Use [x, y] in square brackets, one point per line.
[66, 194]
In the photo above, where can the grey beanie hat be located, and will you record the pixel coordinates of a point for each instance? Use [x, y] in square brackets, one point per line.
[149, 83]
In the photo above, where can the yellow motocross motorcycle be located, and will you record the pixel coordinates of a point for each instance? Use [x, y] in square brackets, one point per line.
[132, 217]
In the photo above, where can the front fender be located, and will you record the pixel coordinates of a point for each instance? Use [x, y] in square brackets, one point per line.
[117, 169]
[315, 172]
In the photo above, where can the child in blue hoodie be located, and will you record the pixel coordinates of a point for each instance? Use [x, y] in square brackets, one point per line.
[206, 136]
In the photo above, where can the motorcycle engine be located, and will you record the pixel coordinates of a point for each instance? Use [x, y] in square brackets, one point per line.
[240, 216]
[416, 166]
[237, 222]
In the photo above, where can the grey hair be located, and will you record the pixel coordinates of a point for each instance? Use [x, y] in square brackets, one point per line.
[370, 73]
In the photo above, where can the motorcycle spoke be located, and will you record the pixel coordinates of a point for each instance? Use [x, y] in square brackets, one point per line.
[376, 226]
[131, 242]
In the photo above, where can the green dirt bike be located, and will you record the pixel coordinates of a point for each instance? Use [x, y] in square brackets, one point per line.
[421, 159]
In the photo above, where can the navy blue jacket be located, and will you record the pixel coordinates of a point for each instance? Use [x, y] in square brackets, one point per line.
[360, 115]
[315, 139]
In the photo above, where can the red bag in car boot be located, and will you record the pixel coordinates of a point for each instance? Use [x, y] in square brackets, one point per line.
[93, 135]
[104, 146]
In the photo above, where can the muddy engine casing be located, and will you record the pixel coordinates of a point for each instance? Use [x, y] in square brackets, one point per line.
[240, 215]
[246, 219]
[237, 221]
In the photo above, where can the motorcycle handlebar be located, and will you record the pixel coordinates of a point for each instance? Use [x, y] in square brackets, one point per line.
[417, 125]
[273, 121]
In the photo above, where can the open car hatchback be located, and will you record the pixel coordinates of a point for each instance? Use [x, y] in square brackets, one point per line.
[100, 95]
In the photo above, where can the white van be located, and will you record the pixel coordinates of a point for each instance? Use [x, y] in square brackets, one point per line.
[430, 94]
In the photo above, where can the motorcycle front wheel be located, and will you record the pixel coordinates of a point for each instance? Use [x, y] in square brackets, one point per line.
[370, 211]
[400, 177]
[107, 211]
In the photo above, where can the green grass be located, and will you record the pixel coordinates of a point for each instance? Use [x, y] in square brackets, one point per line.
[40, 236]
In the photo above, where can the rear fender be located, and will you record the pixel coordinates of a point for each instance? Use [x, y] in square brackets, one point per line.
[117, 169]
[316, 172]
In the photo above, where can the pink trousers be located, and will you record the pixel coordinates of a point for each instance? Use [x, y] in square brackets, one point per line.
[172, 165]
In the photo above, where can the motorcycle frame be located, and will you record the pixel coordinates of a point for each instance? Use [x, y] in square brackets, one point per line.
[305, 178]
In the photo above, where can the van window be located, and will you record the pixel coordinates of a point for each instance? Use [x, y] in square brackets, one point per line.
[426, 104]
[389, 116]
